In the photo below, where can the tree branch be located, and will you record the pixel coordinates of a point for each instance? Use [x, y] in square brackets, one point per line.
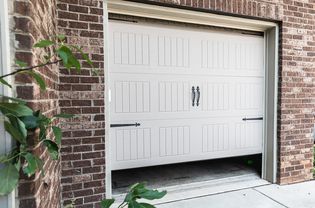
[29, 68]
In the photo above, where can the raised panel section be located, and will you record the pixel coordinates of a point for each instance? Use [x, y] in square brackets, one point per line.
[173, 51]
[214, 54]
[131, 48]
[133, 144]
[174, 141]
[132, 97]
[214, 96]
[248, 96]
[236, 54]
[215, 137]
[174, 96]
[248, 135]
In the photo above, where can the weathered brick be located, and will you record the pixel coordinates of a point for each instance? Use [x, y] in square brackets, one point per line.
[79, 9]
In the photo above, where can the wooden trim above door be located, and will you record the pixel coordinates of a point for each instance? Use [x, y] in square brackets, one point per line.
[187, 16]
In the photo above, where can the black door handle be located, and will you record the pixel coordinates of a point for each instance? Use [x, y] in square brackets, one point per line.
[252, 119]
[123, 125]
[198, 95]
[193, 95]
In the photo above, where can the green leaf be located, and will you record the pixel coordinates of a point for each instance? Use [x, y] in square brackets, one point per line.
[18, 164]
[106, 203]
[64, 57]
[9, 179]
[57, 133]
[2, 81]
[73, 61]
[31, 122]
[64, 115]
[38, 78]
[31, 166]
[18, 125]
[131, 194]
[61, 37]
[67, 57]
[16, 109]
[139, 190]
[43, 44]
[42, 132]
[84, 55]
[133, 204]
[65, 54]
[146, 205]
[151, 194]
[14, 132]
[52, 148]
[21, 63]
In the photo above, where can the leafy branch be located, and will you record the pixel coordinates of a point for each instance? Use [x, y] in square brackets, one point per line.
[20, 121]
[29, 68]
[137, 191]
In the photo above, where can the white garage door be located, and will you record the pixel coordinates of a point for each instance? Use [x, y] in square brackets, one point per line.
[197, 94]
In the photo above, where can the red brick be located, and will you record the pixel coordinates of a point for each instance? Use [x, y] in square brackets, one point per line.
[80, 9]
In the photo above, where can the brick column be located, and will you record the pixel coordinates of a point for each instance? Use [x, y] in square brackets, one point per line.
[83, 146]
[32, 21]
[296, 93]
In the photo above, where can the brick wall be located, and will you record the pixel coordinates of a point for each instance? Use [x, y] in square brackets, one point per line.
[34, 20]
[83, 148]
[296, 76]
[83, 156]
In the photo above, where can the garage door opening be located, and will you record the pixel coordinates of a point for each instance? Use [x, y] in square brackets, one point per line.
[176, 176]
[185, 97]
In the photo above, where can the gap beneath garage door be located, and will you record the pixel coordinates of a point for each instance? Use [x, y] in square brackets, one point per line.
[194, 179]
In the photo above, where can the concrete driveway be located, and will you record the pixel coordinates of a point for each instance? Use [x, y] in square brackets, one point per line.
[300, 195]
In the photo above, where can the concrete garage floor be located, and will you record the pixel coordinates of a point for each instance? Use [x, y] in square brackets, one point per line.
[300, 195]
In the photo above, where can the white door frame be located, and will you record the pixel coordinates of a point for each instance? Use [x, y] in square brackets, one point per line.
[5, 67]
[271, 31]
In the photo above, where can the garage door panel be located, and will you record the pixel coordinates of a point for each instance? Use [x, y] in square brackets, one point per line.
[148, 48]
[174, 141]
[174, 96]
[132, 97]
[232, 95]
[227, 52]
[132, 144]
[215, 137]
[184, 140]
[248, 94]
[248, 135]
[215, 96]
[170, 50]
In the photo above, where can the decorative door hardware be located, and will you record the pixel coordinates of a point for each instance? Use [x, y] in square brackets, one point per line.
[124, 125]
[193, 97]
[198, 95]
[252, 119]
